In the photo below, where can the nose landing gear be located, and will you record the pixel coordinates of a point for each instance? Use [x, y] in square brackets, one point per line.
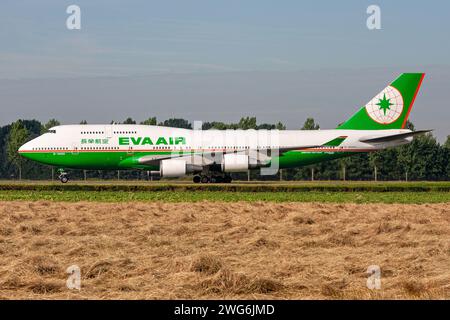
[63, 176]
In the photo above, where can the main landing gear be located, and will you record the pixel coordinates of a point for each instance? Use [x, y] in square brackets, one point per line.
[212, 179]
[63, 176]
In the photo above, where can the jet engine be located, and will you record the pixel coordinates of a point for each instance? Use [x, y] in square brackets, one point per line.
[235, 162]
[176, 168]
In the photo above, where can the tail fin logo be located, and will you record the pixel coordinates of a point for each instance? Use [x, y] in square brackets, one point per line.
[386, 107]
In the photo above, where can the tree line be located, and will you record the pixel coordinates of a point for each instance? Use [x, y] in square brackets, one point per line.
[423, 159]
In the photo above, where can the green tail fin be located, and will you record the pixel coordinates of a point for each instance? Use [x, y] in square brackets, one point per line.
[390, 108]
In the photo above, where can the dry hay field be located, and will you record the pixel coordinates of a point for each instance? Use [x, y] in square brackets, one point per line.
[215, 250]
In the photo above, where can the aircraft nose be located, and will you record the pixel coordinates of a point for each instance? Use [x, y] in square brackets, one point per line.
[26, 151]
[23, 148]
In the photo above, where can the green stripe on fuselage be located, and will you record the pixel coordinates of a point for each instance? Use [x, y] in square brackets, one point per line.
[117, 160]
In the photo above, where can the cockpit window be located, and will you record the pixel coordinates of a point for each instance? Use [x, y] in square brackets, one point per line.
[52, 131]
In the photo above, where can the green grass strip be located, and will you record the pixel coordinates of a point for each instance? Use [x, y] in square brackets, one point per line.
[234, 187]
[183, 196]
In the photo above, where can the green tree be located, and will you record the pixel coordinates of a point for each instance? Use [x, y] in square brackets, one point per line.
[176, 123]
[50, 124]
[375, 159]
[215, 125]
[447, 143]
[269, 126]
[310, 124]
[405, 158]
[247, 123]
[280, 126]
[17, 137]
[244, 123]
[129, 121]
[344, 163]
[410, 126]
[446, 147]
[405, 155]
[358, 167]
[265, 126]
[427, 158]
[150, 122]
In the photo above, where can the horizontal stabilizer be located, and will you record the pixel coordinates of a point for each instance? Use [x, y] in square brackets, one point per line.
[393, 137]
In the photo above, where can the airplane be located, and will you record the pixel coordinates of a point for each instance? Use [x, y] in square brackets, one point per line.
[212, 155]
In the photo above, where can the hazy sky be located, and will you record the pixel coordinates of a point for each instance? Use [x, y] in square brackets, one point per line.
[219, 59]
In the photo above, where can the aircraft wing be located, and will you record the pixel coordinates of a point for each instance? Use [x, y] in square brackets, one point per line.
[154, 159]
[393, 137]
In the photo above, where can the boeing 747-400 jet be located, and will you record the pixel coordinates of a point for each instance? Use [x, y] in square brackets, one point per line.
[211, 155]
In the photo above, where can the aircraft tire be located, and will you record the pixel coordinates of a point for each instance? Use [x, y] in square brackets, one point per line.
[204, 179]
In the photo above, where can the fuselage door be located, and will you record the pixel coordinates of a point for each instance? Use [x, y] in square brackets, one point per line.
[74, 148]
[130, 151]
[108, 132]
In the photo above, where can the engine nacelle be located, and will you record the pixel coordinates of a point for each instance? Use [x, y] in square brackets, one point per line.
[173, 168]
[235, 162]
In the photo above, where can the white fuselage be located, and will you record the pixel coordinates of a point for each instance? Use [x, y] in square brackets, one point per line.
[80, 138]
